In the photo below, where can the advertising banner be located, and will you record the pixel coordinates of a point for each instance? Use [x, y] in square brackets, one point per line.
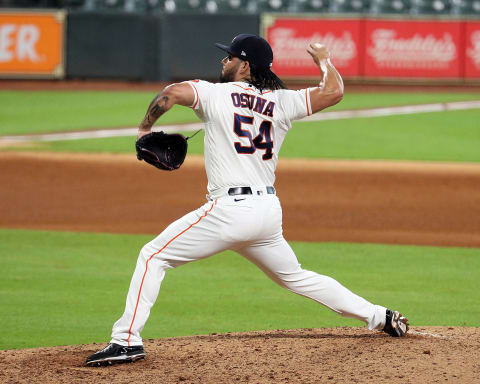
[472, 54]
[414, 49]
[290, 37]
[32, 44]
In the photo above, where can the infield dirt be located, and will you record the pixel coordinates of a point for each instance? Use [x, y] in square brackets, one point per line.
[352, 201]
[339, 355]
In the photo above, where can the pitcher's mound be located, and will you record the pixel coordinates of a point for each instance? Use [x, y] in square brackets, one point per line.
[339, 355]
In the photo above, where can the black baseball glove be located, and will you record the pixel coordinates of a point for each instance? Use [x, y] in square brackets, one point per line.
[162, 150]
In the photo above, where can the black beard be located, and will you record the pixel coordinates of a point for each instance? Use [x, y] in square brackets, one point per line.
[226, 78]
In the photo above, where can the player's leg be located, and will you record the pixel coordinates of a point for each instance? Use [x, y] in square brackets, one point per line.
[193, 237]
[278, 261]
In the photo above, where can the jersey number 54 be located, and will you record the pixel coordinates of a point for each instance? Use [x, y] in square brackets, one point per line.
[263, 141]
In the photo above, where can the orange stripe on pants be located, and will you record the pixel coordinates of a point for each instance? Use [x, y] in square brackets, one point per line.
[151, 257]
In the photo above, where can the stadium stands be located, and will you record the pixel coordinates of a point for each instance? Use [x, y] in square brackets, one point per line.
[349, 6]
[372, 7]
[423, 7]
[390, 7]
[312, 6]
[466, 7]
[225, 6]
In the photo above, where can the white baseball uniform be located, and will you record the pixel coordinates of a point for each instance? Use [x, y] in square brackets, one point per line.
[244, 131]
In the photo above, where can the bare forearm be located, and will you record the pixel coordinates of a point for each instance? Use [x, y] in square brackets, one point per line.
[331, 82]
[159, 105]
[330, 90]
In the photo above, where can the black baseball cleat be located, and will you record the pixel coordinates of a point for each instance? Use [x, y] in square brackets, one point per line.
[395, 324]
[115, 353]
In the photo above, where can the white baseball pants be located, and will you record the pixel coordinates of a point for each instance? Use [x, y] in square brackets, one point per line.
[250, 225]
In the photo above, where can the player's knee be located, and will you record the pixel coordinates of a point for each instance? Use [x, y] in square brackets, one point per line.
[150, 254]
[147, 252]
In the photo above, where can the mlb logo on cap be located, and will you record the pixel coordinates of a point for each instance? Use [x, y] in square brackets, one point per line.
[251, 48]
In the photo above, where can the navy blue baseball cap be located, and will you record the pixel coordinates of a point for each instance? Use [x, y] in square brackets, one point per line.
[251, 48]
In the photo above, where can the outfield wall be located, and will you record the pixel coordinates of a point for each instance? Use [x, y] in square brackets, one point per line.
[378, 48]
[166, 47]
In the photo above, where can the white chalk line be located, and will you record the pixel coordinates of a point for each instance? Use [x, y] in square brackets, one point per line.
[98, 134]
[411, 332]
[390, 111]
[351, 114]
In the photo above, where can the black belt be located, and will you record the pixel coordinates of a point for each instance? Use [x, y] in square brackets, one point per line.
[247, 191]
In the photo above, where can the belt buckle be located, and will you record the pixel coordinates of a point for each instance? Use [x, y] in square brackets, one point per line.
[234, 191]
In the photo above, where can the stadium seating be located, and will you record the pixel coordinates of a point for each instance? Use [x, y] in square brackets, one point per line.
[312, 6]
[389, 6]
[465, 7]
[427, 7]
[469, 8]
[171, 6]
[349, 6]
[274, 5]
[198, 6]
[111, 5]
[154, 6]
[226, 6]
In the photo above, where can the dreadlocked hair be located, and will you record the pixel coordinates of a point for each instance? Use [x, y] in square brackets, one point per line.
[265, 79]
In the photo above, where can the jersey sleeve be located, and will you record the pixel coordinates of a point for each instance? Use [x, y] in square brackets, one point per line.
[203, 91]
[296, 104]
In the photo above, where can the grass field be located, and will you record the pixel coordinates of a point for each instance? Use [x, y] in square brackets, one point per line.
[426, 137]
[63, 288]
[440, 136]
[53, 111]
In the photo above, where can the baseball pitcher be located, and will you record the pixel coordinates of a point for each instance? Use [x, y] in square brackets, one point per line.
[246, 117]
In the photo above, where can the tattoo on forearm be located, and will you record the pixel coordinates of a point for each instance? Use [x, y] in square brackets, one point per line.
[157, 108]
[156, 111]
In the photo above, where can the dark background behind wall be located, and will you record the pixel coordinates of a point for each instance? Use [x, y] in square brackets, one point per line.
[188, 43]
[150, 47]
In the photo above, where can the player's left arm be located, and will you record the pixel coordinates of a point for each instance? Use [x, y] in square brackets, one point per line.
[179, 93]
[330, 90]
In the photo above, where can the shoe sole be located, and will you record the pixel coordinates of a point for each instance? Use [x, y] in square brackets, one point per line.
[115, 360]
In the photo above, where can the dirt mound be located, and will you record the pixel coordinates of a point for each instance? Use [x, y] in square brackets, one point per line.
[339, 355]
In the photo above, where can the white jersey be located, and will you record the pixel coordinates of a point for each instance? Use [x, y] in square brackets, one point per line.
[244, 130]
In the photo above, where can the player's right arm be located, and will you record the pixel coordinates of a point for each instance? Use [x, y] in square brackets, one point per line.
[330, 90]
[179, 93]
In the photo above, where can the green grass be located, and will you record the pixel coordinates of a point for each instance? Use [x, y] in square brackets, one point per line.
[386, 99]
[440, 136]
[50, 111]
[24, 112]
[60, 288]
